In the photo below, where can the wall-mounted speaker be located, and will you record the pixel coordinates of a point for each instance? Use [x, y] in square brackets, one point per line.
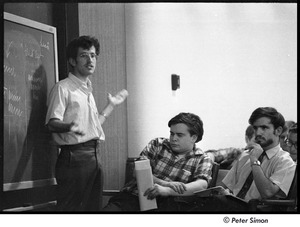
[175, 81]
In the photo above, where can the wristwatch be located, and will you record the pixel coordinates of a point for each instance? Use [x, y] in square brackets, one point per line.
[257, 163]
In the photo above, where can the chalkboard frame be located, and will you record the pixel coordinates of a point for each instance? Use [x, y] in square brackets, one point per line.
[50, 29]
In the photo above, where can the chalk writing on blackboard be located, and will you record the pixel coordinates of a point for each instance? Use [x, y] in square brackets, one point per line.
[30, 71]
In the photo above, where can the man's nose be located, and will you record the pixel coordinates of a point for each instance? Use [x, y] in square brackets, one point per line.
[89, 58]
[174, 138]
[258, 131]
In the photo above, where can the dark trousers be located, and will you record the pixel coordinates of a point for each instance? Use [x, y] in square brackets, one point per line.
[219, 203]
[128, 202]
[79, 178]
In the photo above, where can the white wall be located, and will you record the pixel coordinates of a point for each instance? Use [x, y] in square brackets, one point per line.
[231, 58]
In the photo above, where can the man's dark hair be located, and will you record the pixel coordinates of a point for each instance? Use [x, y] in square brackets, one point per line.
[293, 128]
[276, 118]
[85, 42]
[192, 121]
[287, 125]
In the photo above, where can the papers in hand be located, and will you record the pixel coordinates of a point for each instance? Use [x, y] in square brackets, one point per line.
[144, 181]
[218, 190]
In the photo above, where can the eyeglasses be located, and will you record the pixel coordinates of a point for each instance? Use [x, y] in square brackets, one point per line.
[93, 56]
[290, 143]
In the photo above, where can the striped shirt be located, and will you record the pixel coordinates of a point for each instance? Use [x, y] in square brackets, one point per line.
[277, 166]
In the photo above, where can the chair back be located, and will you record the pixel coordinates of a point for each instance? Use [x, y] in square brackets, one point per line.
[222, 173]
[214, 175]
[293, 193]
[293, 188]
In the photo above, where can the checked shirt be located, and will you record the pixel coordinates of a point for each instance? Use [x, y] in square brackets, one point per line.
[170, 167]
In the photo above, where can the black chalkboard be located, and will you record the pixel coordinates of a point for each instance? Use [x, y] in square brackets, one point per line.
[30, 71]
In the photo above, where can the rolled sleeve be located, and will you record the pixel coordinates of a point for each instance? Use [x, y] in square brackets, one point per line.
[57, 104]
[283, 177]
[204, 169]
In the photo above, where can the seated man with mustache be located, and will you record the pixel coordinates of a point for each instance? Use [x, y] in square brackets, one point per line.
[264, 171]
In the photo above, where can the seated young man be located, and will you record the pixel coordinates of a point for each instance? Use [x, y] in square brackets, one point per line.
[284, 134]
[264, 171]
[291, 142]
[178, 167]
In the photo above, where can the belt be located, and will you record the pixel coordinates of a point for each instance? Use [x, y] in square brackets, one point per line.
[90, 143]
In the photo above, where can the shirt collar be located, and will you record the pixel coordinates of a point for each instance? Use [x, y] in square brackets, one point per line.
[86, 87]
[273, 151]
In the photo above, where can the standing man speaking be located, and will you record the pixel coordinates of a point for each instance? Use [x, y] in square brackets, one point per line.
[75, 124]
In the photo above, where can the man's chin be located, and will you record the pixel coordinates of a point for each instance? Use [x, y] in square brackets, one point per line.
[265, 144]
[176, 150]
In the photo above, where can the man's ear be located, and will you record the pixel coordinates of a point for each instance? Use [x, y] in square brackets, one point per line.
[194, 138]
[247, 139]
[278, 131]
[72, 62]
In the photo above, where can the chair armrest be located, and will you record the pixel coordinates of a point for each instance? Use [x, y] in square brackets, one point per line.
[110, 192]
[255, 203]
[287, 202]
